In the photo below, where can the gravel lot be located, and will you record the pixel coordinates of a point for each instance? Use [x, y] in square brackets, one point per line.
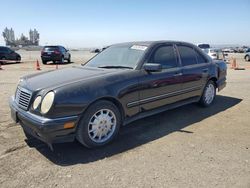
[185, 147]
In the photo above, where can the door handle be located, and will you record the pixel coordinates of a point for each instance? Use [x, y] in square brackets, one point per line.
[205, 70]
[178, 74]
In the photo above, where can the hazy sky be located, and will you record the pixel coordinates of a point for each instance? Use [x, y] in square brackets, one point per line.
[89, 23]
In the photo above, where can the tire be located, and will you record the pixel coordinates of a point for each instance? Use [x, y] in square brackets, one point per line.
[3, 58]
[44, 62]
[69, 60]
[62, 60]
[27, 135]
[247, 58]
[99, 125]
[18, 60]
[208, 94]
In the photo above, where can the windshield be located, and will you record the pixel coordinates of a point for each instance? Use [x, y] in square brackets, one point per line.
[118, 57]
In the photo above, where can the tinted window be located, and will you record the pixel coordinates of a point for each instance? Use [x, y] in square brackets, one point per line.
[165, 56]
[4, 49]
[62, 49]
[188, 56]
[200, 58]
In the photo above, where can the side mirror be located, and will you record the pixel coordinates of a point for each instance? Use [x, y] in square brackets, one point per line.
[152, 67]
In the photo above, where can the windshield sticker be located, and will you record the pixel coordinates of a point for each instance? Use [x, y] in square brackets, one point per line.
[138, 47]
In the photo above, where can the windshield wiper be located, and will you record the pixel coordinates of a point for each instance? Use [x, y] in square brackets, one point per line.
[115, 67]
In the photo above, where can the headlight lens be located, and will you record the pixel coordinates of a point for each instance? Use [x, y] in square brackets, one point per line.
[47, 102]
[36, 102]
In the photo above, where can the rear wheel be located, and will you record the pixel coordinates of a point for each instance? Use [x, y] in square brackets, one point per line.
[209, 94]
[99, 125]
[3, 62]
[44, 62]
[247, 58]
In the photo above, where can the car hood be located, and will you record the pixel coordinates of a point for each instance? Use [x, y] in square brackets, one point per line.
[62, 77]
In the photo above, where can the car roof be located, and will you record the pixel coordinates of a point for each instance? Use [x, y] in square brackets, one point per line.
[56, 46]
[150, 43]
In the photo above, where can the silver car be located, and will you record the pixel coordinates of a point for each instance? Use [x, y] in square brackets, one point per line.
[215, 53]
[247, 56]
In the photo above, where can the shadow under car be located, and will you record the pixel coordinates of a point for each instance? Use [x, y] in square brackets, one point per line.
[135, 134]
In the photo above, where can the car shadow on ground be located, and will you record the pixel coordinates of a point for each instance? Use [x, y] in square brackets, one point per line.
[10, 63]
[135, 134]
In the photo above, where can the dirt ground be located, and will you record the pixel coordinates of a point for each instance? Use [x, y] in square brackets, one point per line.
[185, 147]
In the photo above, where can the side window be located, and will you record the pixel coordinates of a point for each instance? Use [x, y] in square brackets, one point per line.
[200, 58]
[165, 56]
[61, 49]
[188, 56]
[4, 49]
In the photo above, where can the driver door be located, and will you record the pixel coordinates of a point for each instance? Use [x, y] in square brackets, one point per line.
[161, 88]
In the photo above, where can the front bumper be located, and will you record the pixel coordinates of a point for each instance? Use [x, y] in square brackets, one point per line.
[45, 129]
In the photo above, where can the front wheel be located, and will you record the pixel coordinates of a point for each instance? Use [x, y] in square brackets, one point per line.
[18, 60]
[99, 125]
[69, 59]
[208, 94]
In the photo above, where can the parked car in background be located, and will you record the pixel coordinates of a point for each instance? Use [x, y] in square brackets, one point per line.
[203, 46]
[95, 50]
[247, 56]
[228, 50]
[8, 54]
[123, 83]
[215, 53]
[55, 54]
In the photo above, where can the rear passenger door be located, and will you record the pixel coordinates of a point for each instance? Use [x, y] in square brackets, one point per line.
[195, 70]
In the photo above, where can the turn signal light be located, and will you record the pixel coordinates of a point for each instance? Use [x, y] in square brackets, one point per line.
[69, 125]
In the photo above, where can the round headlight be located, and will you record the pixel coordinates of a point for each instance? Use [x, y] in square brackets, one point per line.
[47, 102]
[36, 102]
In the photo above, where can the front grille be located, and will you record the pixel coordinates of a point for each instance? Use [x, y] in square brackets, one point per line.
[23, 97]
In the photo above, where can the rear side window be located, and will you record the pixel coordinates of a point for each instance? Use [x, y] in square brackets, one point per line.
[62, 49]
[188, 55]
[165, 56]
[200, 58]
